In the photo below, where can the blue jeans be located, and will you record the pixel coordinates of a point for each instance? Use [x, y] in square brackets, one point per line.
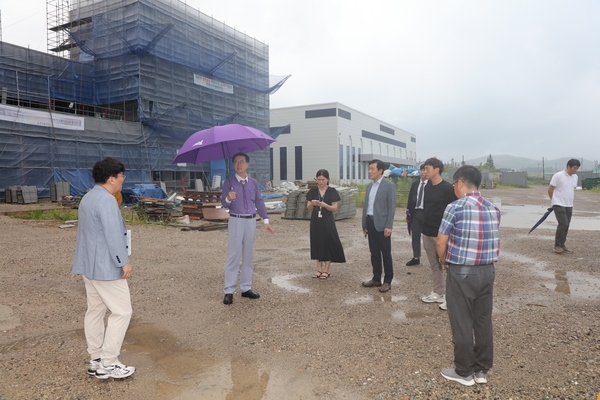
[469, 296]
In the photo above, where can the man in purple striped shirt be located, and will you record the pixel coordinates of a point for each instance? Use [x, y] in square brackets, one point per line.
[468, 244]
[241, 195]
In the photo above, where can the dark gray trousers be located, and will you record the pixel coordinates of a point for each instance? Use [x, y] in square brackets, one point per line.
[381, 250]
[563, 217]
[416, 225]
[469, 295]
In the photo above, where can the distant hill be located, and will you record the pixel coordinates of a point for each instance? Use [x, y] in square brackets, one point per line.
[527, 164]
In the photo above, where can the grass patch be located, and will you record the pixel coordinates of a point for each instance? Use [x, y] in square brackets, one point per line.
[402, 183]
[55, 214]
[131, 215]
[500, 186]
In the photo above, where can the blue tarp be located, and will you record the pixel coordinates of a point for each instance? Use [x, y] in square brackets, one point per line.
[271, 196]
[398, 171]
[144, 190]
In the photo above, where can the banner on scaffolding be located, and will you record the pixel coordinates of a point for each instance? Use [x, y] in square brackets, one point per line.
[212, 84]
[28, 116]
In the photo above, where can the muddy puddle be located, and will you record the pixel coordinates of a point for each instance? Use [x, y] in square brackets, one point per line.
[575, 284]
[182, 373]
[7, 319]
[526, 216]
[287, 282]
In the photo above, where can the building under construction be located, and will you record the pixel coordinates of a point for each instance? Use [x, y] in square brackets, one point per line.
[130, 79]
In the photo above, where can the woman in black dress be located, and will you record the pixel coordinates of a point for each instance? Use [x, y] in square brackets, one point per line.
[325, 245]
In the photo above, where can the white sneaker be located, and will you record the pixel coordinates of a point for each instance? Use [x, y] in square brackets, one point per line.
[433, 297]
[115, 371]
[444, 306]
[93, 366]
[480, 377]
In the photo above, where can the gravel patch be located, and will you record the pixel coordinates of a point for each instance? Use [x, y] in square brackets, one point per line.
[304, 338]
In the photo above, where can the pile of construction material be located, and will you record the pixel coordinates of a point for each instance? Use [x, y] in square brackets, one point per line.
[195, 202]
[70, 201]
[296, 204]
[59, 189]
[285, 188]
[21, 194]
[158, 209]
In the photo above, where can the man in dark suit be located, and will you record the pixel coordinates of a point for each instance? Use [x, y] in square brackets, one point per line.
[414, 215]
[377, 223]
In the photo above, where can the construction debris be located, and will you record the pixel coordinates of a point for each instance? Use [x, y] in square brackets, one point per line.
[194, 202]
[205, 227]
[159, 209]
[296, 204]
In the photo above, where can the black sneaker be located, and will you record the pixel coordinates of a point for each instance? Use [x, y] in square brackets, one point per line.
[413, 261]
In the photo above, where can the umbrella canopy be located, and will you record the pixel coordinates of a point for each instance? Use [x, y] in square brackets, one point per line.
[542, 219]
[221, 142]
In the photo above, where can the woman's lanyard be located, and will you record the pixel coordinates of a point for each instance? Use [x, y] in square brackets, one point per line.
[321, 200]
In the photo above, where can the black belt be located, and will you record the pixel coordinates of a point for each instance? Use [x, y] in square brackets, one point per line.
[369, 216]
[242, 216]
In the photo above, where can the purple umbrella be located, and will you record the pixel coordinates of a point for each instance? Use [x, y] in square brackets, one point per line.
[221, 142]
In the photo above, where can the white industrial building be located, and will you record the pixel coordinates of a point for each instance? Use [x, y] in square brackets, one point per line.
[337, 138]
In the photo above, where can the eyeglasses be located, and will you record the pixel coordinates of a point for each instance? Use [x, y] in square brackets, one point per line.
[239, 162]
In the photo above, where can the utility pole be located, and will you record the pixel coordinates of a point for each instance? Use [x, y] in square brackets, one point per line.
[543, 171]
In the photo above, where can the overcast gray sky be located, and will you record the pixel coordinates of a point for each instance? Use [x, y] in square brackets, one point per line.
[468, 78]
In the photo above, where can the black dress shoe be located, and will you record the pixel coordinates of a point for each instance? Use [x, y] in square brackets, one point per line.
[413, 261]
[251, 294]
[228, 299]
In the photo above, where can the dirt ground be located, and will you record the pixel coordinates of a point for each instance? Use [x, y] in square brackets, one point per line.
[304, 338]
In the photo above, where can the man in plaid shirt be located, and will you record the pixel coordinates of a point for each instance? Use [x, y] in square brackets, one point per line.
[468, 244]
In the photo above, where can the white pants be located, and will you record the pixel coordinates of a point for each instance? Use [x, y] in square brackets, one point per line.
[240, 244]
[101, 296]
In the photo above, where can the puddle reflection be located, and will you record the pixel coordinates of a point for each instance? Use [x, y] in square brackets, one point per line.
[181, 373]
[403, 316]
[527, 215]
[577, 285]
[7, 319]
[359, 300]
[368, 298]
[399, 315]
[283, 281]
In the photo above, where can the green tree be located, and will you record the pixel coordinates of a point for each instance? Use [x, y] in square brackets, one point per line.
[489, 164]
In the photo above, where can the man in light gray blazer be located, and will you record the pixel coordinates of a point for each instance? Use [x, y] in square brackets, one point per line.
[101, 257]
[377, 224]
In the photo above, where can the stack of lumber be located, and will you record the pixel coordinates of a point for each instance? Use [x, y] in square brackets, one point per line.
[195, 201]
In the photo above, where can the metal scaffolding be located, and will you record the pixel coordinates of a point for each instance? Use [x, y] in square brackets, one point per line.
[139, 76]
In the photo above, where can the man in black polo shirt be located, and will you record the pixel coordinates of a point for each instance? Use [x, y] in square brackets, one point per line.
[438, 194]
